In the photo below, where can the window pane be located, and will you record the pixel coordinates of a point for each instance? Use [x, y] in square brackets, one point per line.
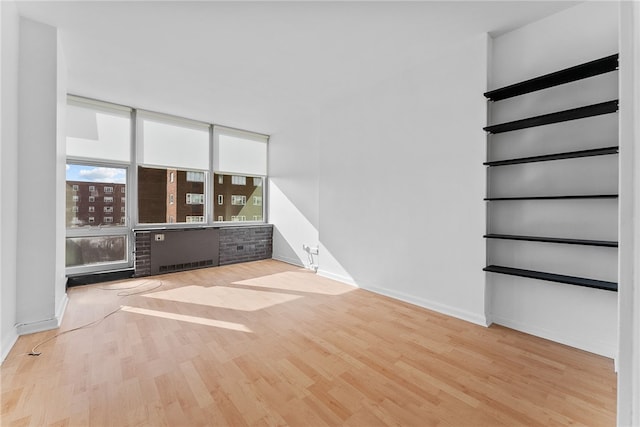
[170, 196]
[239, 152]
[195, 176]
[96, 250]
[98, 133]
[237, 202]
[238, 180]
[165, 144]
[89, 194]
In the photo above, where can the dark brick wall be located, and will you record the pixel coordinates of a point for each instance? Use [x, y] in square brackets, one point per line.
[237, 244]
[242, 244]
[143, 253]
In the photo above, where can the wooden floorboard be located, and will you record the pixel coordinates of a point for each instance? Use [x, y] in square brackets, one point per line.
[266, 343]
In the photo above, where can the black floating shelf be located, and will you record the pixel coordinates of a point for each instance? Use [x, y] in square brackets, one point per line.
[552, 277]
[558, 156]
[586, 196]
[605, 243]
[578, 72]
[557, 117]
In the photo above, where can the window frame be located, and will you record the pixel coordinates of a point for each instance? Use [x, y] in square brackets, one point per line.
[114, 229]
[136, 162]
[251, 222]
[137, 225]
[216, 132]
[132, 223]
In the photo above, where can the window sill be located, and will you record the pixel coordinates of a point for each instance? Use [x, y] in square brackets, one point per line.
[156, 227]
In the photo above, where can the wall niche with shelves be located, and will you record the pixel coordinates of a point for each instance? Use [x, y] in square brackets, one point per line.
[552, 177]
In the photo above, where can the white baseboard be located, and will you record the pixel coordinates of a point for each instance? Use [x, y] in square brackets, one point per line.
[62, 308]
[431, 305]
[10, 339]
[337, 277]
[292, 261]
[47, 324]
[37, 326]
[420, 302]
[7, 344]
[598, 347]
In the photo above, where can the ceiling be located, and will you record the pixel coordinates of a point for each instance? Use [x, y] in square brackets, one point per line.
[257, 65]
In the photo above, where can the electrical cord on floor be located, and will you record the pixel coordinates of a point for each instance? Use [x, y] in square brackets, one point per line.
[95, 322]
[34, 351]
[126, 294]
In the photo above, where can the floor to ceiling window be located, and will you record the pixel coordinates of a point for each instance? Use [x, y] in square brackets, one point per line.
[173, 168]
[240, 167]
[130, 168]
[98, 161]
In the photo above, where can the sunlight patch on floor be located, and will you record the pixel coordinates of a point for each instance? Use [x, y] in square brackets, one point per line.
[298, 281]
[225, 297]
[185, 318]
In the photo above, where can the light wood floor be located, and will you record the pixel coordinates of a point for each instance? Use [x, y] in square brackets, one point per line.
[266, 343]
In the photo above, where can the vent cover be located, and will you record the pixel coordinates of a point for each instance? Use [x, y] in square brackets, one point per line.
[184, 249]
[185, 266]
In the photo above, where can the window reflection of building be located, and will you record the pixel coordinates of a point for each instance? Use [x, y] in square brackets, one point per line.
[170, 196]
[87, 203]
[239, 198]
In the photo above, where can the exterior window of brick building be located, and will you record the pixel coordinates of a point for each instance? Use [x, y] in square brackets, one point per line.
[239, 198]
[170, 196]
[89, 214]
[82, 206]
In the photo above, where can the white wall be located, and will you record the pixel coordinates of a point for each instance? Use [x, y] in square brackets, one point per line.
[40, 253]
[60, 280]
[400, 183]
[293, 190]
[629, 288]
[581, 317]
[8, 173]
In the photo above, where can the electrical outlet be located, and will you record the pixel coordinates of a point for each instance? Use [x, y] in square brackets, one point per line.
[309, 249]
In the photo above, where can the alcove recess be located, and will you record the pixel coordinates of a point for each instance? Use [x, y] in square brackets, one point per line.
[552, 176]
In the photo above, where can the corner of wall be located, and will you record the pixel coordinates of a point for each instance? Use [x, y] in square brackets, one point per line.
[9, 27]
[9, 338]
[39, 291]
[48, 324]
[61, 158]
[488, 288]
[627, 360]
[288, 260]
[338, 277]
